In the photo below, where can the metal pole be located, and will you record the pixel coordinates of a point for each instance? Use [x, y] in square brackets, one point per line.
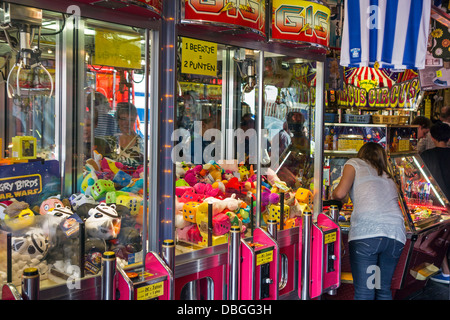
[318, 138]
[282, 211]
[168, 253]
[146, 146]
[259, 131]
[306, 253]
[210, 224]
[30, 284]
[272, 228]
[108, 275]
[234, 254]
[334, 213]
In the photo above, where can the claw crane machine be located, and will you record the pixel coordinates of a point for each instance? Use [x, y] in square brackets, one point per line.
[79, 79]
[234, 84]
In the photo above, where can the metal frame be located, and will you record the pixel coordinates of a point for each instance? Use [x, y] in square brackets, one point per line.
[200, 260]
[69, 55]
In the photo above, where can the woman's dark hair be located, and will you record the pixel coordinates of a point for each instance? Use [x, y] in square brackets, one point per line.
[375, 154]
[127, 108]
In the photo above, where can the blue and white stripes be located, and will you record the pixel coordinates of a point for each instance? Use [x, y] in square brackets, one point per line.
[392, 33]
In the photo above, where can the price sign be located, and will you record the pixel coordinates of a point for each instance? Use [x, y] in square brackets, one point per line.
[264, 257]
[151, 291]
[199, 57]
[330, 237]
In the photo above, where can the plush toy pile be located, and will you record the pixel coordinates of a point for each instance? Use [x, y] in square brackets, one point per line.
[46, 236]
[227, 194]
[111, 205]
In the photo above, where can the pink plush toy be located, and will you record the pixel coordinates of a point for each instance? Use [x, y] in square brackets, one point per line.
[179, 191]
[190, 233]
[274, 198]
[207, 190]
[49, 204]
[221, 224]
[190, 178]
[191, 196]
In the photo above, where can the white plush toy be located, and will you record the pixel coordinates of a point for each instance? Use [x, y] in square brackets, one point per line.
[103, 222]
[33, 244]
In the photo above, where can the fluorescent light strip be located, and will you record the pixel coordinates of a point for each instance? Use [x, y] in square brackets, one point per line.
[428, 180]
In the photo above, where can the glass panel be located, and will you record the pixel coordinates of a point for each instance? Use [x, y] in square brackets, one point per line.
[289, 91]
[112, 139]
[425, 201]
[107, 138]
[29, 163]
[215, 152]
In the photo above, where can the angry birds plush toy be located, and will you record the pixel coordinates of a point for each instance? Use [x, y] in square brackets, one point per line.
[48, 205]
[19, 215]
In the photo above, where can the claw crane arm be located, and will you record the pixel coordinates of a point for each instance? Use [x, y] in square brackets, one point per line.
[26, 20]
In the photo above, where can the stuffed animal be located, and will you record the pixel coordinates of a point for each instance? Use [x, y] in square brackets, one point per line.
[189, 233]
[190, 211]
[111, 165]
[206, 189]
[122, 178]
[191, 196]
[103, 222]
[180, 222]
[56, 216]
[78, 199]
[3, 205]
[243, 171]
[101, 187]
[34, 244]
[193, 176]
[135, 186]
[48, 205]
[304, 196]
[213, 170]
[89, 179]
[18, 215]
[231, 203]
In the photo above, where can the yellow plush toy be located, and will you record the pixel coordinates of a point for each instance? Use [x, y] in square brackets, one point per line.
[304, 196]
[214, 170]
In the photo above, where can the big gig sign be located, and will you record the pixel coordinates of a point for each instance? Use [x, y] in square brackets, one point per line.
[239, 13]
[300, 21]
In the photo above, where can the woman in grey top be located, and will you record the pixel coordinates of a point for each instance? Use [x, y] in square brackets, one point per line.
[377, 230]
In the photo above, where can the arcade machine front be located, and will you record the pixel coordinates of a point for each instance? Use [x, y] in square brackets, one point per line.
[77, 195]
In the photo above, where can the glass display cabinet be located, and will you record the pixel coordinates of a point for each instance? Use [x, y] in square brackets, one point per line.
[74, 142]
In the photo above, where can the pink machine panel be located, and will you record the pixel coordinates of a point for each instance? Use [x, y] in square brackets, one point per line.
[154, 281]
[259, 268]
[325, 267]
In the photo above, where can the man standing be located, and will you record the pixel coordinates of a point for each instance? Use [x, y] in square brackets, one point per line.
[427, 142]
[437, 161]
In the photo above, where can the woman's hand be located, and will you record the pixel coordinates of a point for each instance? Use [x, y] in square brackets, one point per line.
[344, 186]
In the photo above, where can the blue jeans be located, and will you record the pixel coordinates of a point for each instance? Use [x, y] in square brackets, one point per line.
[373, 263]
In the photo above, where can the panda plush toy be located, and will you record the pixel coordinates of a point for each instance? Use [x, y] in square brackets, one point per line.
[33, 244]
[103, 222]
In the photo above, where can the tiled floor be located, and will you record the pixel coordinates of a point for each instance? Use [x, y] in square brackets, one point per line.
[432, 291]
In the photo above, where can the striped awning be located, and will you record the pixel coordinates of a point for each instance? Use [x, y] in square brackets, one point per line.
[354, 76]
